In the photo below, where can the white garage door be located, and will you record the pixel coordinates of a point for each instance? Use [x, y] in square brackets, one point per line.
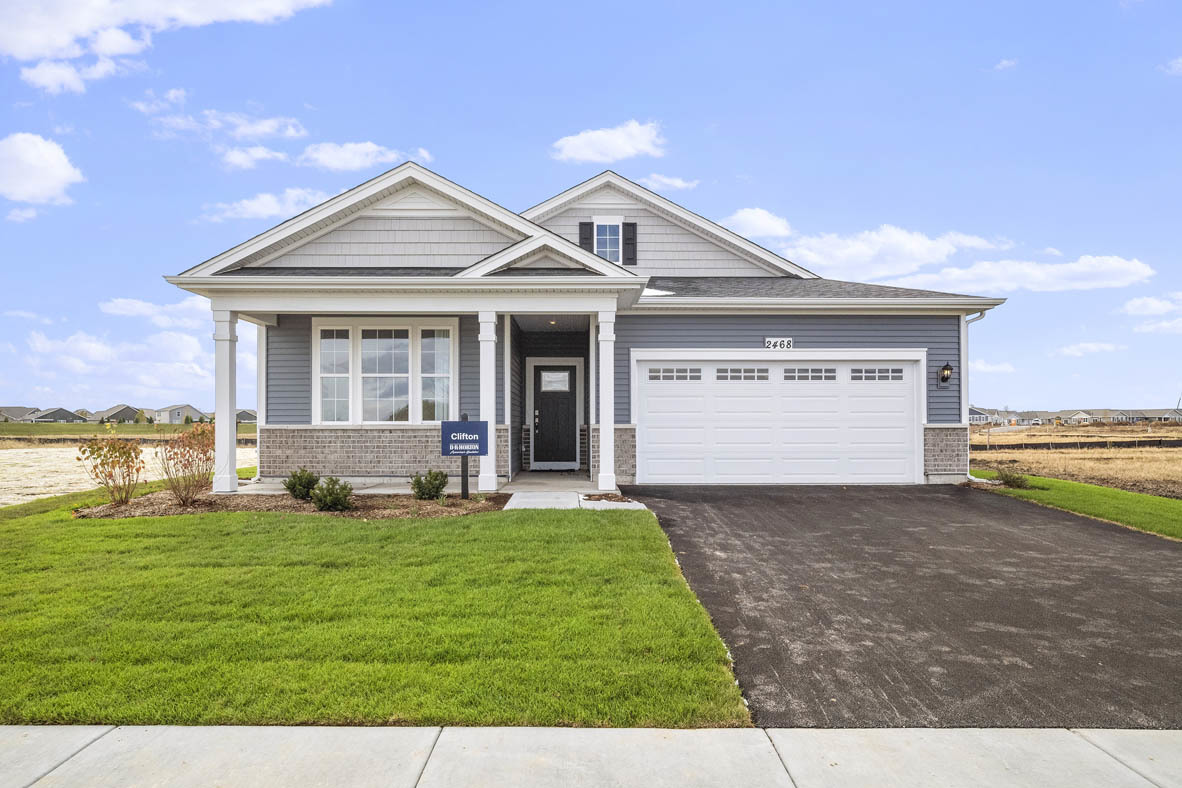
[760, 422]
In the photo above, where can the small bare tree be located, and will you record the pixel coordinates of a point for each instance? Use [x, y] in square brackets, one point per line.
[115, 464]
[187, 462]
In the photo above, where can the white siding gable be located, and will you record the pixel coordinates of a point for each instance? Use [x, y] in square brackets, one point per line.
[663, 247]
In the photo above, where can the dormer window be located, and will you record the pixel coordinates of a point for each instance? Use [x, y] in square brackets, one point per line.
[608, 237]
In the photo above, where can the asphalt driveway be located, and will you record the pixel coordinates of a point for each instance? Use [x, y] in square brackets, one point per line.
[935, 606]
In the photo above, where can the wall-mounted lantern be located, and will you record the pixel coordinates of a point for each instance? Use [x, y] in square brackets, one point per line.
[945, 373]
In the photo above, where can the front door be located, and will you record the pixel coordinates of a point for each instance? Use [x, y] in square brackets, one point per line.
[556, 432]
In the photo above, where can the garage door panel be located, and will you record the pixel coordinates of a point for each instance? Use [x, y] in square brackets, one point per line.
[780, 430]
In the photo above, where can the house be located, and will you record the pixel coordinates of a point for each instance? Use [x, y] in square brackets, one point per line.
[176, 414]
[15, 412]
[247, 416]
[58, 415]
[1162, 414]
[606, 329]
[979, 416]
[119, 414]
[84, 413]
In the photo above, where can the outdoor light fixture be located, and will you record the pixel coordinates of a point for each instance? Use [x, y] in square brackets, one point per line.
[553, 322]
[946, 372]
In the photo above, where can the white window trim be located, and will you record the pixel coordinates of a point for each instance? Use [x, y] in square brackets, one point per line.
[618, 221]
[415, 327]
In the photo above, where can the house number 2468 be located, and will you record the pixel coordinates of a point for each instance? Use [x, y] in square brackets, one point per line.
[777, 343]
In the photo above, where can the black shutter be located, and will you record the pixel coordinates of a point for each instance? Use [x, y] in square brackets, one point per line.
[629, 243]
[586, 230]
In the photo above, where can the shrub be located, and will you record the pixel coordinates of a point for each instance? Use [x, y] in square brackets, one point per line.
[187, 461]
[115, 464]
[332, 495]
[1011, 478]
[188, 418]
[429, 487]
[300, 483]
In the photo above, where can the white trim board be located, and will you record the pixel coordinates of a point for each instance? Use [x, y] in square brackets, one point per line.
[545, 361]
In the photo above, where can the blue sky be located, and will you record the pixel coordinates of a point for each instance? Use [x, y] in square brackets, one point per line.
[1024, 150]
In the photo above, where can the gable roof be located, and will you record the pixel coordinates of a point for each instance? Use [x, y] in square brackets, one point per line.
[712, 230]
[540, 246]
[16, 411]
[333, 211]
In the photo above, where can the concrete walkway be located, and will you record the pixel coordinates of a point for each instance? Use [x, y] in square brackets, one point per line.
[532, 757]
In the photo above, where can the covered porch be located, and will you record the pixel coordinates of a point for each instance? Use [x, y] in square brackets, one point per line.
[355, 384]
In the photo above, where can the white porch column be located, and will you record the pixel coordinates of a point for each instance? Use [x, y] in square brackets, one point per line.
[225, 364]
[607, 401]
[488, 399]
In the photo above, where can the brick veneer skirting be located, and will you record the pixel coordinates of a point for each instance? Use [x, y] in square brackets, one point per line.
[364, 451]
[945, 453]
[625, 453]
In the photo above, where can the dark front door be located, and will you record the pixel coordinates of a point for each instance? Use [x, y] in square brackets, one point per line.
[555, 431]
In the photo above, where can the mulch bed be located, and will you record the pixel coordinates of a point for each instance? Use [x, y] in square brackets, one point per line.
[366, 507]
[613, 497]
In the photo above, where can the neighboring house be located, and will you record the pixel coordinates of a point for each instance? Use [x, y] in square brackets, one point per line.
[979, 416]
[84, 413]
[15, 412]
[119, 413]
[176, 414]
[1162, 414]
[58, 415]
[606, 329]
[247, 416]
[1075, 417]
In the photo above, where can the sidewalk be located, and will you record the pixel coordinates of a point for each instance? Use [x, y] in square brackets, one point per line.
[531, 757]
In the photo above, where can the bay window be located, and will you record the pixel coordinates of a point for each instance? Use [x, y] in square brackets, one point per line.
[396, 370]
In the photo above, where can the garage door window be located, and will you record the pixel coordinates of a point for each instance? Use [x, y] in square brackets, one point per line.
[810, 373]
[876, 373]
[675, 373]
[741, 373]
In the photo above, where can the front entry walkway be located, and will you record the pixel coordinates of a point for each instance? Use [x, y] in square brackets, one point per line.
[551, 481]
[98, 756]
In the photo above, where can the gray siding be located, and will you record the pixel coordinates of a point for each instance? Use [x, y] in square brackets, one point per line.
[662, 247]
[398, 241]
[289, 371]
[939, 334]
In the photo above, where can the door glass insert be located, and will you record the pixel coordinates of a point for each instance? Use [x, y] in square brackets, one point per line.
[556, 381]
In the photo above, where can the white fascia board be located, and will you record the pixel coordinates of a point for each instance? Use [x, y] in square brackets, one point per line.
[523, 249]
[406, 172]
[608, 177]
[900, 305]
[262, 285]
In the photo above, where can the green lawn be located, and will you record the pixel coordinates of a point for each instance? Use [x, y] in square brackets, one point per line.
[513, 618]
[17, 428]
[1146, 512]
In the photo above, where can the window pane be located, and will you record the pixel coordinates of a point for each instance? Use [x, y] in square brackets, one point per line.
[334, 399]
[334, 351]
[607, 241]
[436, 351]
[384, 399]
[436, 399]
[385, 351]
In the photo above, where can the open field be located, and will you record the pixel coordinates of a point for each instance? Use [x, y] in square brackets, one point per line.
[29, 473]
[526, 617]
[22, 430]
[1077, 433]
[1144, 512]
[1151, 471]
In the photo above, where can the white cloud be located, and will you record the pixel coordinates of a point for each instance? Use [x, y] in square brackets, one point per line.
[150, 104]
[192, 312]
[874, 254]
[248, 158]
[241, 126]
[340, 157]
[59, 30]
[1173, 68]
[757, 223]
[21, 215]
[1149, 305]
[1161, 327]
[54, 76]
[1052, 251]
[1005, 64]
[1087, 273]
[607, 145]
[658, 182]
[1086, 348]
[35, 170]
[423, 155]
[266, 205]
[1001, 367]
[24, 314]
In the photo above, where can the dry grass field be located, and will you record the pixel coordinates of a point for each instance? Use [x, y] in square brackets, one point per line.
[1156, 471]
[1075, 433]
